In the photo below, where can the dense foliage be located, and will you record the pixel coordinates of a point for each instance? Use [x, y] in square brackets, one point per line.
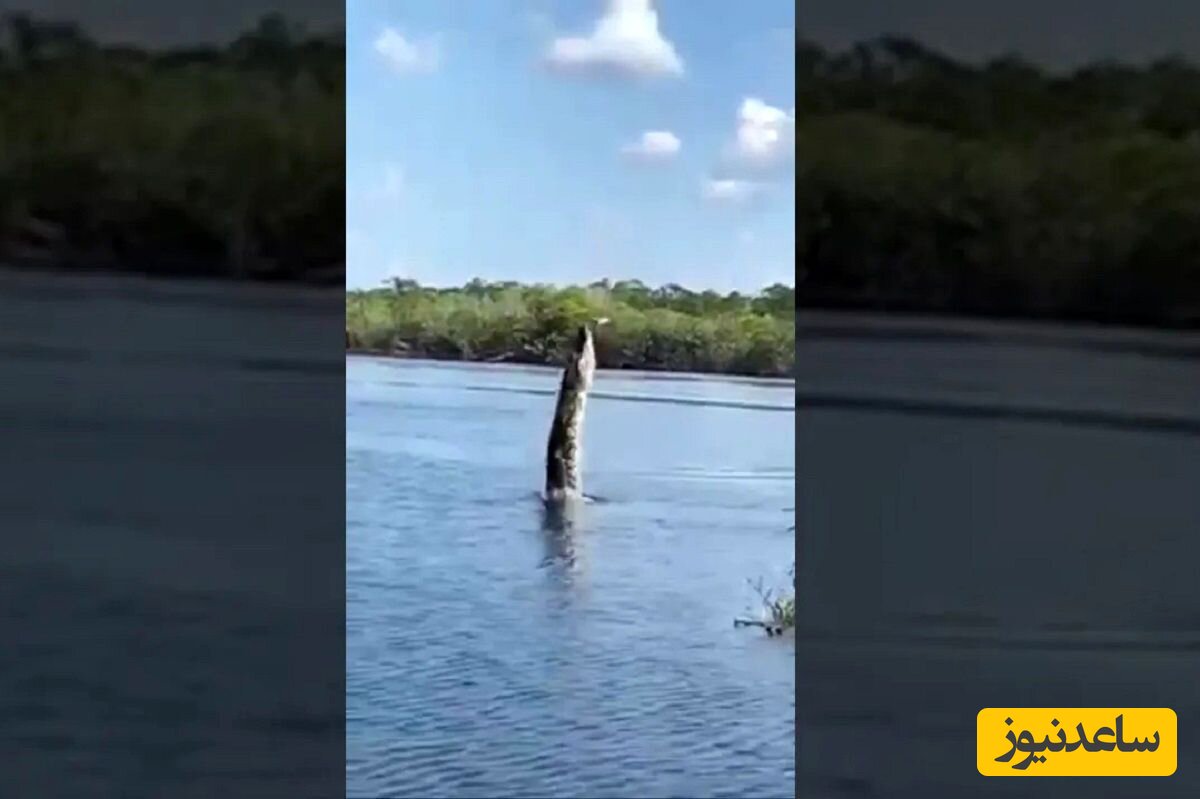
[669, 328]
[927, 184]
[220, 161]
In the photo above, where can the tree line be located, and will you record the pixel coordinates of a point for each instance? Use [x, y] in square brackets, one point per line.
[928, 184]
[666, 328]
[220, 161]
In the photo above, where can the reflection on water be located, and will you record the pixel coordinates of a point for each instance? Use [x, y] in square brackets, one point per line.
[560, 522]
[500, 647]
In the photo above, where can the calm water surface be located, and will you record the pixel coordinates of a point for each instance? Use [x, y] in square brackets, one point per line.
[490, 654]
[156, 640]
[992, 522]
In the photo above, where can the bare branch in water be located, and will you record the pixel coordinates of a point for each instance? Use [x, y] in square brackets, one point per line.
[780, 611]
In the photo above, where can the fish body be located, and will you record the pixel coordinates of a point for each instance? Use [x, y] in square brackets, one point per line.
[564, 449]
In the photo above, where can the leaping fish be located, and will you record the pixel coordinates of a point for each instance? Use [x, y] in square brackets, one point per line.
[564, 453]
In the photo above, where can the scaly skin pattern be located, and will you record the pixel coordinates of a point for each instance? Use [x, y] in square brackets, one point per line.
[564, 450]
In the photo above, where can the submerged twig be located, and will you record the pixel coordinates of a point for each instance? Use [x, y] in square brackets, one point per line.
[780, 611]
[772, 629]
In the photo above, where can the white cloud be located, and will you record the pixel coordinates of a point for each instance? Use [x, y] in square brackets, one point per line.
[407, 56]
[654, 146]
[730, 190]
[625, 40]
[766, 135]
[760, 155]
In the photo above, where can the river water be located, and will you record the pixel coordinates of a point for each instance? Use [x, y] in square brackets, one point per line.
[990, 516]
[171, 583]
[491, 653]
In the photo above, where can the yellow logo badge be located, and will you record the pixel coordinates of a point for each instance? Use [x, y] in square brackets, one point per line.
[1076, 742]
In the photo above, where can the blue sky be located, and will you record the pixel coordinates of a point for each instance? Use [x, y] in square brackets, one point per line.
[564, 141]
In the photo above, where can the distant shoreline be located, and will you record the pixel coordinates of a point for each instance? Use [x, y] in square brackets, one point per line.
[660, 372]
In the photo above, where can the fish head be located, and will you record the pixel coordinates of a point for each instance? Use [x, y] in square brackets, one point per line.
[584, 341]
[582, 364]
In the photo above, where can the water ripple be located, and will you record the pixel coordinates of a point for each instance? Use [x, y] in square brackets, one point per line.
[489, 656]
